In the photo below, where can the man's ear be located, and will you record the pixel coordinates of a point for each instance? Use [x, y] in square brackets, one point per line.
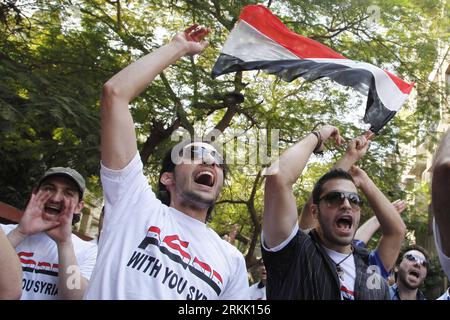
[167, 179]
[79, 206]
[314, 208]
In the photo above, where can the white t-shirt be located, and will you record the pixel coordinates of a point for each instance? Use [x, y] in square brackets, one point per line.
[257, 292]
[348, 265]
[38, 255]
[445, 261]
[150, 251]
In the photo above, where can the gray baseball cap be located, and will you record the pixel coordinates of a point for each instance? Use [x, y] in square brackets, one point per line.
[66, 172]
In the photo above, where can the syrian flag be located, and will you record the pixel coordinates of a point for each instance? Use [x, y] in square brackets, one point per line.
[260, 40]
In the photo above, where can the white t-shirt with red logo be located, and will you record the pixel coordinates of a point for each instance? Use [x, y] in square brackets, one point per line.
[38, 255]
[148, 250]
[347, 263]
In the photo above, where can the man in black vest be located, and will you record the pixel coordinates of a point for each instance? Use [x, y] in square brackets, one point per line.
[323, 264]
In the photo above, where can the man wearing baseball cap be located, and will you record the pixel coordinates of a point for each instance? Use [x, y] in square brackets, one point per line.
[69, 173]
[56, 264]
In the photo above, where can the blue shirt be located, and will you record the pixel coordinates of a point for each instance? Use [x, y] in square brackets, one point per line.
[393, 290]
[374, 258]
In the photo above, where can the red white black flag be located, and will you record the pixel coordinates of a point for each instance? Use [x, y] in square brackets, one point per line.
[260, 41]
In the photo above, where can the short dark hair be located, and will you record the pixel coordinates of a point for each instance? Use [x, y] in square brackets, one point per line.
[330, 175]
[169, 166]
[407, 248]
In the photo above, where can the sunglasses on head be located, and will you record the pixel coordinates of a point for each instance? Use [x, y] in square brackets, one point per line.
[414, 258]
[201, 153]
[337, 198]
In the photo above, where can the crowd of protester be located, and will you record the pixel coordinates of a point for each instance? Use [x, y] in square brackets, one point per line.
[156, 244]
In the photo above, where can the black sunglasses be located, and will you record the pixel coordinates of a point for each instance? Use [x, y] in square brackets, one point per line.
[337, 198]
[414, 258]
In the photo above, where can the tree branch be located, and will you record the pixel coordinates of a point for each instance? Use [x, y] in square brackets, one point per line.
[181, 114]
[157, 135]
[254, 218]
[226, 119]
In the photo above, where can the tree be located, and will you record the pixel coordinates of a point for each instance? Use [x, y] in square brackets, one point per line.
[57, 54]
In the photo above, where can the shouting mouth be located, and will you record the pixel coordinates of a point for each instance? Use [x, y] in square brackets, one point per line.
[53, 209]
[205, 178]
[415, 274]
[344, 223]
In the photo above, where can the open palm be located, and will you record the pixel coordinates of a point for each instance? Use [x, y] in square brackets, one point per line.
[63, 231]
[192, 39]
[33, 220]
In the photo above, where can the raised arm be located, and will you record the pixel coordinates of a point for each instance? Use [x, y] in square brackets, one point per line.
[32, 220]
[392, 226]
[118, 137]
[11, 276]
[71, 284]
[231, 237]
[356, 149]
[440, 191]
[280, 209]
[367, 230]
[307, 220]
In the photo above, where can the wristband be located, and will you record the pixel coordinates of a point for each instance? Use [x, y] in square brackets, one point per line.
[319, 142]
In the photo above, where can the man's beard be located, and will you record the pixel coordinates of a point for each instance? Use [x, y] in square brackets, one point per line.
[327, 233]
[407, 284]
[197, 201]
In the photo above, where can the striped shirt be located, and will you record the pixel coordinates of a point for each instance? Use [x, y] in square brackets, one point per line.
[300, 269]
